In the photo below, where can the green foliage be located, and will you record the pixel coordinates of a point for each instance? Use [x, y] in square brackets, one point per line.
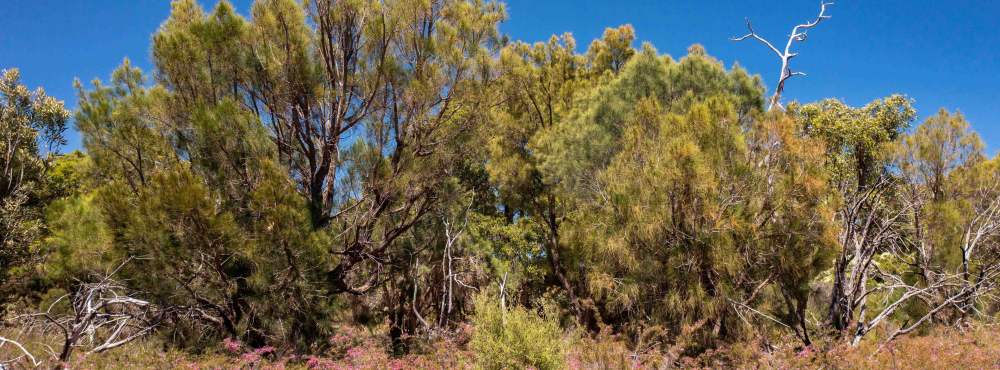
[78, 241]
[401, 165]
[516, 337]
[612, 50]
[953, 186]
[31, 126]
[565, 120]
[200, 206]
[859, 141]
[672, 247]
[942, 144]
[511, 252]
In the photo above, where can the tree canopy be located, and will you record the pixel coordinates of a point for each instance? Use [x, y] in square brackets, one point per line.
[317, 164]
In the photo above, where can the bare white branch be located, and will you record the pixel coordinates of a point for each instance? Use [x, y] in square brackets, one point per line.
[799, 33]
[20, 347]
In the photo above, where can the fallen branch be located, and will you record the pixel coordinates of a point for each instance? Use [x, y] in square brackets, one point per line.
[31, 357]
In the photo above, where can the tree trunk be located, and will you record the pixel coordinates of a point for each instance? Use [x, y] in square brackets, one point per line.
[840, 307]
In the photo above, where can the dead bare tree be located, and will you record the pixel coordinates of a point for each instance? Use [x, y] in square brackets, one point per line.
[906, 292]
[963, 300]
[101, 316]
[871, 224]
[799, 33]
[447, 269]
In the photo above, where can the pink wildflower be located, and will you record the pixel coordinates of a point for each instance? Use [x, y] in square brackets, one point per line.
[355, 353]
[250, 357]
[397, 364]
[316, 363]
[232, 345]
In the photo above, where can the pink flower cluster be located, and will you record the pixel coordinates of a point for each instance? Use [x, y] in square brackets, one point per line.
[232, 345]
[318, 363]
[257, 354]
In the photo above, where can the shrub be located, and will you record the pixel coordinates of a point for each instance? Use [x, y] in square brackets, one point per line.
[515, 338]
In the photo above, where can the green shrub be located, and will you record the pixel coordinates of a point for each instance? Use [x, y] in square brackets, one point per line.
[515, 338]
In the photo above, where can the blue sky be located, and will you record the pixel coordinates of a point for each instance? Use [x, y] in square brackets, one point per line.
[940, 53]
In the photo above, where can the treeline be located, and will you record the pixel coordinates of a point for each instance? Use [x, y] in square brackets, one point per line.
[404, 163]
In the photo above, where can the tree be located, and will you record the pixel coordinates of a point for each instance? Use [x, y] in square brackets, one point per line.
[927, 247]
[31, 127]
[577, 153]
[539, 85]
[362, 108]
[360, 99]
[797, 225]
[200, 204]
[612, 50]
[953, 219]
[701, 217]
[859, 144]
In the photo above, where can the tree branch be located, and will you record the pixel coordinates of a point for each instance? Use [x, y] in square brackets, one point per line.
[786, 55]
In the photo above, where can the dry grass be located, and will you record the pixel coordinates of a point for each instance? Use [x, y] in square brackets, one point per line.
[971, 348]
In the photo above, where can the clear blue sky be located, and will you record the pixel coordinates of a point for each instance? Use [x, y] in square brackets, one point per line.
[940, 53]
